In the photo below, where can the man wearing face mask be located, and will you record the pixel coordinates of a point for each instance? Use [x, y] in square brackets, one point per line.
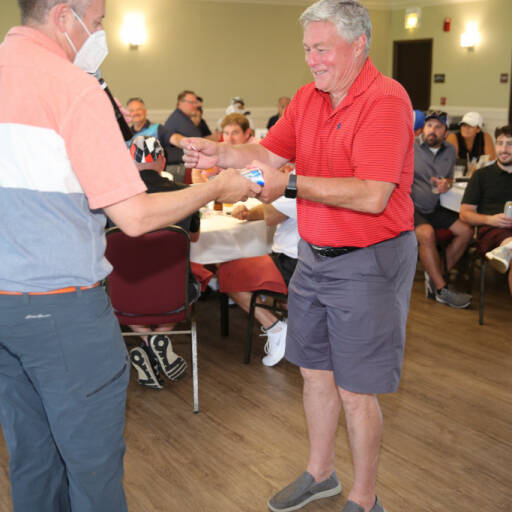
[63, 166]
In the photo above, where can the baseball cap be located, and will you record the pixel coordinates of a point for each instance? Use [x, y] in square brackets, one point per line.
[146, 149]
[472, 119]
[419, 119]
[437, 114]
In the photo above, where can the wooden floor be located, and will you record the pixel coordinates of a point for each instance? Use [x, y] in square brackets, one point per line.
[447, 444]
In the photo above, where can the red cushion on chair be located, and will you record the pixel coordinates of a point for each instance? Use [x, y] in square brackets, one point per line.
[202, 274]
[249, 274]
[443, 235]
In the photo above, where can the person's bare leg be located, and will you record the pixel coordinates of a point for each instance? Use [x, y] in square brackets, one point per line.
[463, 234]
[364, 425]
[322, 407]
[142, 329]
[264, 316]
[428, 254]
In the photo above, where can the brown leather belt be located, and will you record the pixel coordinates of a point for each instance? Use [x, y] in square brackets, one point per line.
[69, 289]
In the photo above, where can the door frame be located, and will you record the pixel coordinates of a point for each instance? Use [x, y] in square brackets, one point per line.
[396, 44]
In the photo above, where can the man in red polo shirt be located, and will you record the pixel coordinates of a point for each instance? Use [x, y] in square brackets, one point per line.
[351, 134]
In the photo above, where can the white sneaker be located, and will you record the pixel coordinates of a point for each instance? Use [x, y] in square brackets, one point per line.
[500, 258]
[275, 345]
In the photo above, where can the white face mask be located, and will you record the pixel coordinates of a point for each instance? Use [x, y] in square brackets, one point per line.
[93, 51]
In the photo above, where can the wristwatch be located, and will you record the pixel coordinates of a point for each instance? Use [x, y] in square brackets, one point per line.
[291, 188]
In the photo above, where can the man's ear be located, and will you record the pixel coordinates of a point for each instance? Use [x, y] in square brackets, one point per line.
[247, 134]
[61, 17]
[359, 45]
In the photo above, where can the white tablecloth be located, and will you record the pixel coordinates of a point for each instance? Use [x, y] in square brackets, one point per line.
[453, 198]
[224, 238]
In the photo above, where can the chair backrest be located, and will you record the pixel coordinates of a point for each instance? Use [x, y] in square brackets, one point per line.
[150, 275]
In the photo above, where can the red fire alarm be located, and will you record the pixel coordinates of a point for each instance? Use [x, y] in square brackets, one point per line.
[443, 100]
[446, 24]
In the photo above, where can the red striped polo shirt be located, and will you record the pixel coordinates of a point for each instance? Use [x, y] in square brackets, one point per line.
[369, 136]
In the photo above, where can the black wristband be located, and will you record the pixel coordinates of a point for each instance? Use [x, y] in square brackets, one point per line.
[291, 188]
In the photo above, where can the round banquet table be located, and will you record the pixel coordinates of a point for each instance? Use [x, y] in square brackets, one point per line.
[453, 198]
[224, 238]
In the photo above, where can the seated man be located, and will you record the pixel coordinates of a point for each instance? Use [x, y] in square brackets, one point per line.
[236, 277]
[484, 201]
[235, 130]
[156, 354]
[282, 103]
[141, 125]
[434, 160]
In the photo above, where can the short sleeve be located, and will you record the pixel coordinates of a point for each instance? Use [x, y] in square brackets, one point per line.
[382, 143]
[287, 206]
[97, 152]
[472, 193]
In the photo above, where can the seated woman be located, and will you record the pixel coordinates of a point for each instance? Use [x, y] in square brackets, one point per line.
[471, 142]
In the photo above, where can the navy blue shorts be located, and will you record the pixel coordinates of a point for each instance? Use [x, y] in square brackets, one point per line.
[348, 314]
[440, 218]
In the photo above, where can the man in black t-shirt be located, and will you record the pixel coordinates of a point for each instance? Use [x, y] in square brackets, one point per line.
[484, 201]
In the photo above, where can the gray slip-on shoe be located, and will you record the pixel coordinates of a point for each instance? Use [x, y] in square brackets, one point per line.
[352, 506]
[302, 491]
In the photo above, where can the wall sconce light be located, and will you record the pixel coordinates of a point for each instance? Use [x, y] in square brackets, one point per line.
[133, 30]
[412, 18]
[471, 37]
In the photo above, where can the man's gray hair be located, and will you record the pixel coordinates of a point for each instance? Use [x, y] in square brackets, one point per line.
[37, 10]
[349, 16]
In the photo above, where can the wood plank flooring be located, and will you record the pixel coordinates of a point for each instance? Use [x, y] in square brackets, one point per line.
[447, 443]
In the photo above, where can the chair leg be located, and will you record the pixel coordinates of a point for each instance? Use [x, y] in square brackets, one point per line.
[482, 291]
[224, 314]
[446, 274]
[195, 379]
[250, 322]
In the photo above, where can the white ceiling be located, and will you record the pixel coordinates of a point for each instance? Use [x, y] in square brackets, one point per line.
[372, 4]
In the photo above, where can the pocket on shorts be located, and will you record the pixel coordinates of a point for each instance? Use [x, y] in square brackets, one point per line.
[388, 258]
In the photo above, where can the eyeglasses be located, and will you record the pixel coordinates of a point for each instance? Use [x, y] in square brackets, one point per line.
[195, 102]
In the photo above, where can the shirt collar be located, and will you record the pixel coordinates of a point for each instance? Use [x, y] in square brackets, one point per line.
[38, 38]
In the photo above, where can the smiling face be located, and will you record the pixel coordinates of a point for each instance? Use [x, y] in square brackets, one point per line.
[138, 113]
[504, 150]
[334, 62]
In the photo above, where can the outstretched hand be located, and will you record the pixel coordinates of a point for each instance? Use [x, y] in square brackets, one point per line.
[275, 182]
[233, 187]
[199, 153]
